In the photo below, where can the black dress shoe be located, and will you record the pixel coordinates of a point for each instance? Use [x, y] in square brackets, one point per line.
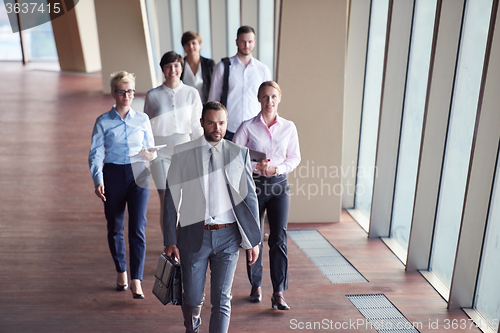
[256, 295]
[120, 287]
[278, 303]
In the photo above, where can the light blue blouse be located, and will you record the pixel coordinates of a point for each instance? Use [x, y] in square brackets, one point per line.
[118, 141]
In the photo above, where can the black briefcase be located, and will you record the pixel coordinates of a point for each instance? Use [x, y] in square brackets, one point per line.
[168, 284]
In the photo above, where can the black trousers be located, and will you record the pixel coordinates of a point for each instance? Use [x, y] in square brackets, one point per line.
[127, 186]
[273, 194]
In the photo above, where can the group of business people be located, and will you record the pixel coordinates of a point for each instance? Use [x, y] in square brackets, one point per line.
[213, 197]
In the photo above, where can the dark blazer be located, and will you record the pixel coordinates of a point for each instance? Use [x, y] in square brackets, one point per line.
[184, 225]
[207, 67]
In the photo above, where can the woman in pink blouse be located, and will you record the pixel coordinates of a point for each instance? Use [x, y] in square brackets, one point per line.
[277, 138]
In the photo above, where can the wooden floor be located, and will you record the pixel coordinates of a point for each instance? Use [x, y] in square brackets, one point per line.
[56, 273]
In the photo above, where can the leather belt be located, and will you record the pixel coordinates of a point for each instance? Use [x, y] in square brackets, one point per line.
[213, 227]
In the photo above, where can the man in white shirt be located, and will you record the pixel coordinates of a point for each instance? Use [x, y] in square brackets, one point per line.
[245, 76]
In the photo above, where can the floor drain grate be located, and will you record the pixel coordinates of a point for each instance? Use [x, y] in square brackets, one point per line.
[381, 314]
[328, 260]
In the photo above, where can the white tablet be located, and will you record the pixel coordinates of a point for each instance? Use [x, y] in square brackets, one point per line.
[159, 146]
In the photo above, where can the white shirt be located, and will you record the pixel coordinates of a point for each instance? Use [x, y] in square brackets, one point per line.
[195, 81]
[223, 200]
[244, 83]
[280, 142]
[175, 116]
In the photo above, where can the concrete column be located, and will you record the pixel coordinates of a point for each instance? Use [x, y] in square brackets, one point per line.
[249, 16]
[75, 34]
[125, 42]
[219, 28]
[311, 69]
[189, 17]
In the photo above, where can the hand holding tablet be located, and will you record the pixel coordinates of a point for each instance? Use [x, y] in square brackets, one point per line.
[158, 147]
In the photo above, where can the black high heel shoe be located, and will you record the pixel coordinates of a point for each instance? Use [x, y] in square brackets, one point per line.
[278, 302]
[120, 287]
[136, 295]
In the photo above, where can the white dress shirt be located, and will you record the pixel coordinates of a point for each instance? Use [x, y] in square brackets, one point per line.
[280, 142]
[244, 83]
[194, 80]
[224, 207]
[175, 116]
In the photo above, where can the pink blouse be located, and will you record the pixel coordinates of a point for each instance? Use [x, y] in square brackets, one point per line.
[280, 142]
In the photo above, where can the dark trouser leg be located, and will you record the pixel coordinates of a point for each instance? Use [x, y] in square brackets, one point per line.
[114, 210]
[254, 272]
[137, 202]
[277, 213]
[159, 169]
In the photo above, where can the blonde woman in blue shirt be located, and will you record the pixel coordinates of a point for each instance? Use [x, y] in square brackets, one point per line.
[122, 142]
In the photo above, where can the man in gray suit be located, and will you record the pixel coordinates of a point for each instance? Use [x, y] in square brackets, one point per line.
[210, 210]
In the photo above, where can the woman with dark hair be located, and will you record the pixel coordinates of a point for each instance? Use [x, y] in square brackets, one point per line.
[198, 71]
[277, 138]
[175, 111]
[122, 143]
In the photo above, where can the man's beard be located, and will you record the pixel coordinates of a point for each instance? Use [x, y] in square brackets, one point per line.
[212, 138]
[243, 53]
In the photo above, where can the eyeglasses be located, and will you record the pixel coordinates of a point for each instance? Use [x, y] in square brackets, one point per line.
[129, 92]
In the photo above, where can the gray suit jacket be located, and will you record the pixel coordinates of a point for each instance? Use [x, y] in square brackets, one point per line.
[185, 203]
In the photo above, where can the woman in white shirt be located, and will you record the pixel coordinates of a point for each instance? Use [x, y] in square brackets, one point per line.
[198, 70]
[277, 138]
[175, 111]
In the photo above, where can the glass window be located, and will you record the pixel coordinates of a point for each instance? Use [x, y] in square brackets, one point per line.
[38, 41]
[413, 114]
[487, 301]
[266, 33]
[459, 138]
[204, 29]
[233, 23]
[371, 106]
[153, 36]
[176, 25]
[10, 43]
